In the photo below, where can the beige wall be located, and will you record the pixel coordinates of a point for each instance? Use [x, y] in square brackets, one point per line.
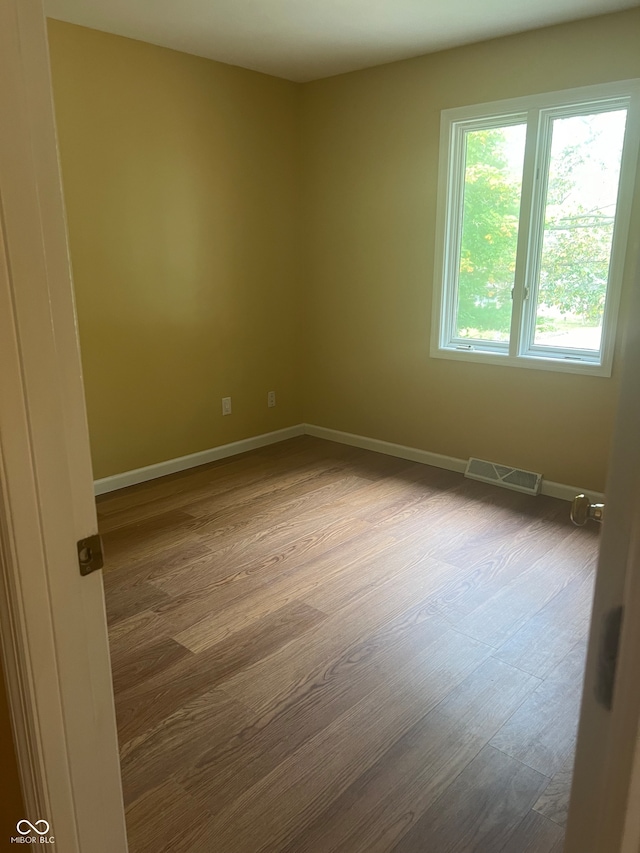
[180, 178]
[232, 234]
[370, 170]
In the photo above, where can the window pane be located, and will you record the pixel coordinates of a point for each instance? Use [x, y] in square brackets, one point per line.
[491, 208]
[578, 229]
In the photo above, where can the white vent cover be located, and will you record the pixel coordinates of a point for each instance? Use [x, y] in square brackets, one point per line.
[511, 478]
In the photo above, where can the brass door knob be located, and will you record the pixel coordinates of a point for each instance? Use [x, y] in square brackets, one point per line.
[582, 510]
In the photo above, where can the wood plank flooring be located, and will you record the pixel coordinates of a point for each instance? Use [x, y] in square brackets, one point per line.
[318, 649]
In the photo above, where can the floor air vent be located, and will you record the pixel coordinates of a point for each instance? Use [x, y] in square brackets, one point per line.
[500, 475]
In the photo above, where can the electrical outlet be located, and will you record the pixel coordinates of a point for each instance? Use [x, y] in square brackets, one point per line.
[271, 399]
[226, 405]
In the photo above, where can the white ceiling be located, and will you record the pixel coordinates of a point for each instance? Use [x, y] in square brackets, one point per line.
[308, 39]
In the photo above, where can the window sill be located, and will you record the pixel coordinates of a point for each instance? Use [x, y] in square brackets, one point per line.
[530, 362]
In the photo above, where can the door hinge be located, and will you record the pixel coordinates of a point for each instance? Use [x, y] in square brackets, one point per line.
[90, 556]
[608, 657]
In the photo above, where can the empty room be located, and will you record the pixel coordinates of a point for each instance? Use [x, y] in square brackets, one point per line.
[328, 423]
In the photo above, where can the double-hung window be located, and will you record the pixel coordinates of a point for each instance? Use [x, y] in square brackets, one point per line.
[533, 213]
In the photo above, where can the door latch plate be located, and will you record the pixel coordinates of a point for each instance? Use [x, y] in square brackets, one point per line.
[90, 556]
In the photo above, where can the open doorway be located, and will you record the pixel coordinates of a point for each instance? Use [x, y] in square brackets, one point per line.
[142, 535]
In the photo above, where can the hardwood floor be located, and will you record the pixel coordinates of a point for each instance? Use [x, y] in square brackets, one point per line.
[317, 648]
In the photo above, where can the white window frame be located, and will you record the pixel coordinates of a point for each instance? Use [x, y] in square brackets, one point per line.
[538, 111]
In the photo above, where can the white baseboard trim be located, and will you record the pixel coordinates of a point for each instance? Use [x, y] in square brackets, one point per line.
[568, 493]
[413, 454]
[183, 463]
[451, 463]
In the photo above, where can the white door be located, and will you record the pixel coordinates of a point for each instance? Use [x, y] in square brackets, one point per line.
[604, 812]
[53, 625]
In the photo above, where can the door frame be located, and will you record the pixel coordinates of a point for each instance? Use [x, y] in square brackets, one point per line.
[52, 620]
